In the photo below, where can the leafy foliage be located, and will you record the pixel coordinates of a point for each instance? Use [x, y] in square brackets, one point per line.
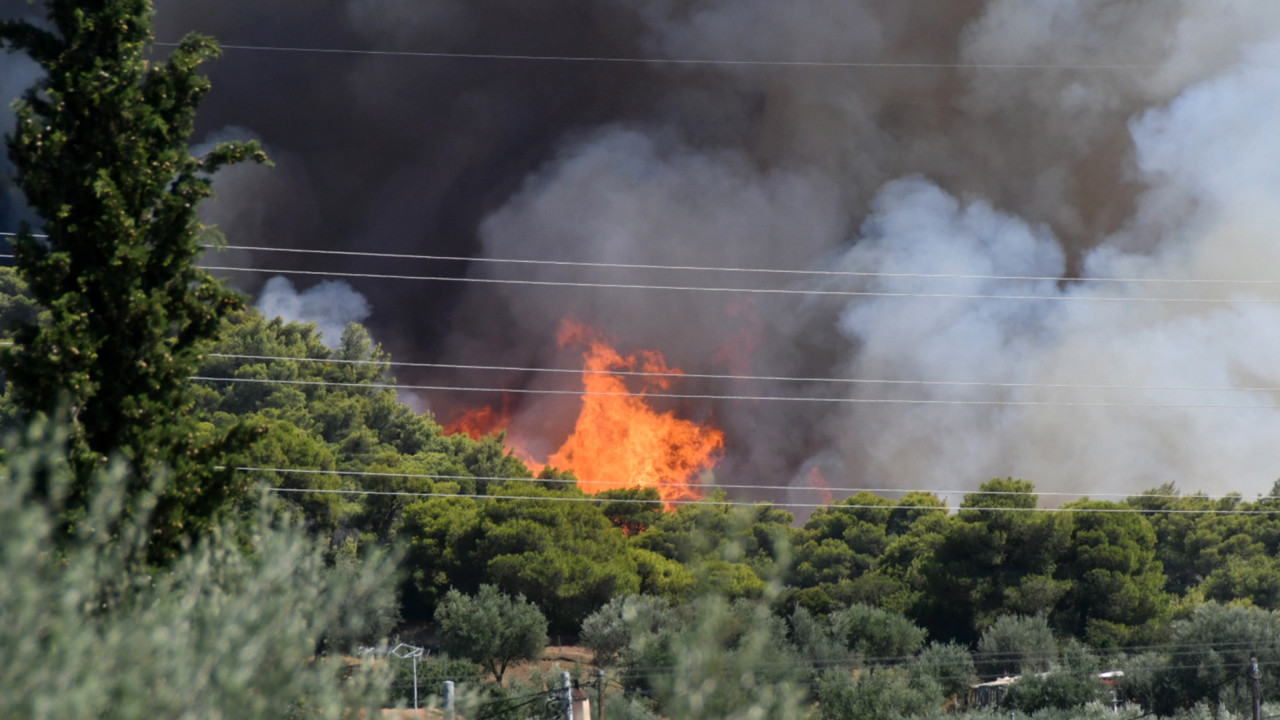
[491, 629]
[101, 154]
[728, 660]
[878, 634]
[225, 631]
[876, 694]
[1071, 683]
[1208, 661]
[949, 665]
[610, 631]
[989, 562]
[1114, 582]
[1018, 644]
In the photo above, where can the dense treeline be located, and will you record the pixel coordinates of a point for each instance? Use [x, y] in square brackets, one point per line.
[899, 586]
[1111, 574]
[1100, 580]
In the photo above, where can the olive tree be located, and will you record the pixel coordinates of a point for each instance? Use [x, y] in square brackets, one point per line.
[491, 629]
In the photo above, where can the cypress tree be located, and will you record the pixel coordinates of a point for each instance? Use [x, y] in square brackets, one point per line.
[101, 151]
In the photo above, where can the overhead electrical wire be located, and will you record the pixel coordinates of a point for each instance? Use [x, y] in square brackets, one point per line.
[744, 290]
[718, 486]
[527, 57]
[726, 269]
[678, 374]
[882, 401]
[760, 398]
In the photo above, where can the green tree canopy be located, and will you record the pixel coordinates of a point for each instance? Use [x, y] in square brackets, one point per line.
[1114, 593]
[1017, 644]
[491, 629]
[997, 555]
[221, 633]
[1207, 660]
[841, 552]
[101, 154]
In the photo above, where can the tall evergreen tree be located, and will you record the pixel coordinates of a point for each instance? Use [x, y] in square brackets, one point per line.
[101, 151]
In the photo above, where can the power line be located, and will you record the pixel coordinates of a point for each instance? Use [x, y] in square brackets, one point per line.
[753, 398]
[739, 503]
[874, 401]
[755, 290]
[704, 268]
[517, 57]
[746, 290]
[725, 269]
[836, 505]
[677, 374]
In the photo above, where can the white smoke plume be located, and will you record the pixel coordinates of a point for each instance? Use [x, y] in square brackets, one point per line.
[1209, 163]
[330, 304]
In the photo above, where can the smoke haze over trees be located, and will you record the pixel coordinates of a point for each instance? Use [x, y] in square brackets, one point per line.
[1067, 139]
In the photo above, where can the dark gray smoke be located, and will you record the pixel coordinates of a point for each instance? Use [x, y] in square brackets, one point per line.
[1070, 139]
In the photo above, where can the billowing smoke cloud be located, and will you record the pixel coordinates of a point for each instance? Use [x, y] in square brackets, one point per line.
[1208, 163]
[1100, 167]
[1083, 141]
[330, 304]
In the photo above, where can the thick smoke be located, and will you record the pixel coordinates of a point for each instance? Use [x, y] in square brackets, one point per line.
[331, 305]
[1083, 141]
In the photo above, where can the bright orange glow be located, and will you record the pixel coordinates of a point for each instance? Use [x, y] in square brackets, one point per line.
[479, 422]
[819, 481]
[619, 440]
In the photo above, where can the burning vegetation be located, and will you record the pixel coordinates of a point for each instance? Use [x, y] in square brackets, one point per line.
[619, 440]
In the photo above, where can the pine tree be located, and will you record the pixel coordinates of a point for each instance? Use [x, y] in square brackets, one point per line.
[101, 151]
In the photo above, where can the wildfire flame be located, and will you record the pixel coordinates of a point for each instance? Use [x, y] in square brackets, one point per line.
[480, 421]
[619, 440]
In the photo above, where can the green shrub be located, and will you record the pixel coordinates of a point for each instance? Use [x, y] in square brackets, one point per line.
[1017, 644]
[433, 670]
[1072, 683]
[876, 695]
[608, 632]
[230, 630]
[947, 664]
[491, 629]
[728, 661]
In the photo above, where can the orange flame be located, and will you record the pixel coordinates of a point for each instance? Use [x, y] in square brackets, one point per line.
[481, 421]
[619, 441]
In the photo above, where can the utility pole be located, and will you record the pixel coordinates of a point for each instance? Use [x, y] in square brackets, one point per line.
[1255, 686]
[405, 651]
[568, 695]
[600, 691]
